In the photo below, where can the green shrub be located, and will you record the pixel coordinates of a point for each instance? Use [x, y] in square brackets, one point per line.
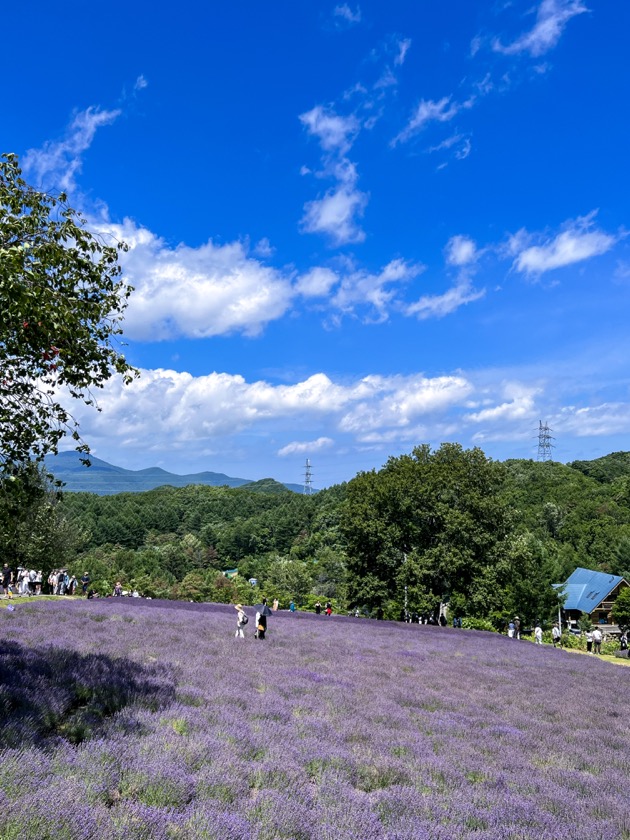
[478, 624]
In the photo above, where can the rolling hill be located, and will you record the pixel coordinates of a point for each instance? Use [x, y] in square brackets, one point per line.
[104, 479]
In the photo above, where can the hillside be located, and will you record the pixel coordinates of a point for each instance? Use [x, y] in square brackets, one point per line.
[105, 479]
[154, 722]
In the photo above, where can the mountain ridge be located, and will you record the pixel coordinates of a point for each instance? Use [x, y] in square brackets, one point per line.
[105, 479]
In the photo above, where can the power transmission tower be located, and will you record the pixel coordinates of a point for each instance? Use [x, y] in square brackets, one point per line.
[308, 479]
[544, 442]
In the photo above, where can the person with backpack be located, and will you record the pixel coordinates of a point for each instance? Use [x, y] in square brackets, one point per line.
[241, 621]
[597, 640]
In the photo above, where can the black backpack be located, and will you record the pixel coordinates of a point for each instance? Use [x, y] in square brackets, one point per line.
[244, 619]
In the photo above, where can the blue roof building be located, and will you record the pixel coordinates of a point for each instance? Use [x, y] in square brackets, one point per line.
[591, 592]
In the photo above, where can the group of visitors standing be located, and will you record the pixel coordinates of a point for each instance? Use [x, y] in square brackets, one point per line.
[24, 581]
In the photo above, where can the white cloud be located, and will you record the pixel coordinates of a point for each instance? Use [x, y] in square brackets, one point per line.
[360, 287]
[587, 421]
[334, 132]
[403, 48]
[519, 405]
[198, 292]
[57, 163]
[174, 409]
[579, 241]
[395, 402]
[552, 17]
[305, 447]
[437, 306]
[140, 83]
[428, 111]
[317, 282]
[461, 250]
[344, 12]
[336, 215]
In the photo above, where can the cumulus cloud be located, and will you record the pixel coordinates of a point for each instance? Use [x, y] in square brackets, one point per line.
[305, 447]
[397, 401]
[316, 283]
[579, 241]
[519, 405]
[337, 215]
[461, 250]
[198, 292]
[333, 131]
[58, 162]
[175, 409]
[552, 17]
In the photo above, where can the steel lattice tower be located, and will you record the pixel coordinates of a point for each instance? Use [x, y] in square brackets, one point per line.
[544, 442]
[308, 479]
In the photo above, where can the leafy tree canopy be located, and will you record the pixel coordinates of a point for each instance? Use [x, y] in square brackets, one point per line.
[61, 304]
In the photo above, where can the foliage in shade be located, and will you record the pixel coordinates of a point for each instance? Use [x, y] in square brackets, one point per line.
[331, 727]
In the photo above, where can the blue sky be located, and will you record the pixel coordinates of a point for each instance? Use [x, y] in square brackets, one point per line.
[354, 227]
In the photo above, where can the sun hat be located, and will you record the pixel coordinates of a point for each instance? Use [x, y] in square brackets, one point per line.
[238, 606]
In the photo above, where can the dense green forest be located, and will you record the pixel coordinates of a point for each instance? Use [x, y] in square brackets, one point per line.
[449, 525]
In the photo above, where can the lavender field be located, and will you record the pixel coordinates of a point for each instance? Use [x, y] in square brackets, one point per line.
[150, 721]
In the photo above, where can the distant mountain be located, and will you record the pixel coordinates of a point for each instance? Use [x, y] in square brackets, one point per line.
[105, 479]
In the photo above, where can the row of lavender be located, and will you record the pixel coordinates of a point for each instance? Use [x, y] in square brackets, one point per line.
[149, 721]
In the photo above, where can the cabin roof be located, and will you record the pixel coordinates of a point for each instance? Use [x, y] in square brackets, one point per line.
[586, 589]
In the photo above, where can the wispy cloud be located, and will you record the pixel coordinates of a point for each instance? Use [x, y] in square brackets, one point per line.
[404, 45]
[349, 16]
[579, 241]
[57, 163]
[552, 17]
[429, 110]
[378, 291]
[437, 306]
[305, 447]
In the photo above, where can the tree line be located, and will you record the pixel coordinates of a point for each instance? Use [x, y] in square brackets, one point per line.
[446, 526]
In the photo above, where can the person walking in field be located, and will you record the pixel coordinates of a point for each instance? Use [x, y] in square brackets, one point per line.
[589, 641]
[597, 640]
[241, 621]
[538, 635]
[556, 635]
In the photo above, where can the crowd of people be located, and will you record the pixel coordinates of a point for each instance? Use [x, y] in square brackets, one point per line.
[24, 581]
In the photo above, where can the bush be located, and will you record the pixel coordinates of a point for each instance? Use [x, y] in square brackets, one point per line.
[478, 624]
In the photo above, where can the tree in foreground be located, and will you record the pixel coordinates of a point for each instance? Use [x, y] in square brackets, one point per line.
[61, 305]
